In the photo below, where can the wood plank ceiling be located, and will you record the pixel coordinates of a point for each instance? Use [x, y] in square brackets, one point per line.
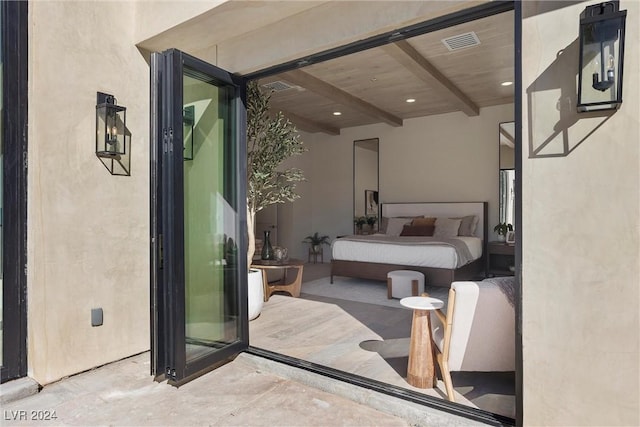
[372, 86]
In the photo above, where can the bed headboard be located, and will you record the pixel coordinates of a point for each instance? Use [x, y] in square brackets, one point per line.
[448, 209]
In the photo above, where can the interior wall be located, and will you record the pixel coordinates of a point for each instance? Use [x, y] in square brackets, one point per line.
[88, 231]
[448, 157]
[580, 230]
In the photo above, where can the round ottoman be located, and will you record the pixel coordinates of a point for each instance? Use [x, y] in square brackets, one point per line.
[404, 283]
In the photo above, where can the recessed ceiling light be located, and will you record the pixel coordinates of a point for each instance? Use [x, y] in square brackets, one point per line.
[373, 79]
[337, 113]
[410, 100]
[506, 83]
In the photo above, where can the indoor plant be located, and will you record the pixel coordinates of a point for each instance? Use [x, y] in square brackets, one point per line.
[502, 228]
[316, 242]
[359, 221]
[271, 139]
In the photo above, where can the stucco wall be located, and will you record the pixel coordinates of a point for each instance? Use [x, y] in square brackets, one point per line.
[88, 231]
[447, 157]
[580, 225]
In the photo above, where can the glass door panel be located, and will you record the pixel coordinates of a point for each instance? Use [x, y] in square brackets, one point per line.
[199, 317]
[210, 226]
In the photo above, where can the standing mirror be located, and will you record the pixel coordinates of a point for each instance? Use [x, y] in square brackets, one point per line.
[365, 185]
[507, 172]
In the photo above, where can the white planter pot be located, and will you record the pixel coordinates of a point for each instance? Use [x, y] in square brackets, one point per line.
[256, 293]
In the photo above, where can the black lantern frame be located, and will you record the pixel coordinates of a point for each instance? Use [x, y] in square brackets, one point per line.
[601, 57]
[112, 136]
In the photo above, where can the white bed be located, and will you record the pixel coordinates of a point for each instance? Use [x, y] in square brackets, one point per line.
[421, 256]
[373, 258]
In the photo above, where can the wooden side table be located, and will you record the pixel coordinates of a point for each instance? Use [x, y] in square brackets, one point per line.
[500, 256]
[292, 288]
[420, 370]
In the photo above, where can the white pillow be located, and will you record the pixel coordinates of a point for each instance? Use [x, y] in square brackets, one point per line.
[395, 225]
[446, 227]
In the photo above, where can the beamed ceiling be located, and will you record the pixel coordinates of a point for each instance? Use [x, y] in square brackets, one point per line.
[372, 86]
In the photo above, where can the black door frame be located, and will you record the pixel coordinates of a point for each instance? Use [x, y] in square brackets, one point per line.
[168, 338]
[467, 15]
[14, 222]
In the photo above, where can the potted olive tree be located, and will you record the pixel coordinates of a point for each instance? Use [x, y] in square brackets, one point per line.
[271, 139]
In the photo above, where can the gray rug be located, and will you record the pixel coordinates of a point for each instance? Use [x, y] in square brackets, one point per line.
[361, 290]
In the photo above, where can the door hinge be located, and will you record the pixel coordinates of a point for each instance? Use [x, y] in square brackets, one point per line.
[165, 140]
[25, 160]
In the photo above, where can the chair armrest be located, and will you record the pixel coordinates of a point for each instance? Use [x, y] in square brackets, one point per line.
[441, 317]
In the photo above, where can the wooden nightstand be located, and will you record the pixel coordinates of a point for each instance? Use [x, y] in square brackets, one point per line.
[500, 256]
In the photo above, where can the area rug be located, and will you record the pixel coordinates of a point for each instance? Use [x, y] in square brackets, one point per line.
[361, 290]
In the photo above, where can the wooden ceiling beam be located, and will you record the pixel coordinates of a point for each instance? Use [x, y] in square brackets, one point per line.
[412, 60]
[338, 95]
[309, 125]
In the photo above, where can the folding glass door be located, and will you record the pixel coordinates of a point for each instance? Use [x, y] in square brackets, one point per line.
[199, 301]
[13, 189]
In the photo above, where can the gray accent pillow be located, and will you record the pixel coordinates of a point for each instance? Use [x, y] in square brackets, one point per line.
[384, 222]
[447, 227]
[468, 225]
[395, 225]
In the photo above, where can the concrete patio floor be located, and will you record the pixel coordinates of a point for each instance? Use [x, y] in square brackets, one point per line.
[249, 391]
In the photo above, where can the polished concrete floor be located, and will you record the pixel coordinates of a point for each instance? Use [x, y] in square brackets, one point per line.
[250, 390]
[240, 393]
[364, 339]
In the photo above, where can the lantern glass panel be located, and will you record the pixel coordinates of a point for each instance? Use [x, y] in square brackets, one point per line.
[111, 129]
[600, 59]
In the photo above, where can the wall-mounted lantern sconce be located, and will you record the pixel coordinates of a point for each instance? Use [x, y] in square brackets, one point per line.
[601, 57]
[188, 122]
[112, 136]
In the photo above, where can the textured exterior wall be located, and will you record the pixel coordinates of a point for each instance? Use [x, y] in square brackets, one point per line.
[88, 231]
[581, 231]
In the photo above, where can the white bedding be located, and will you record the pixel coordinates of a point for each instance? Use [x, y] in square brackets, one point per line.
[434, 256]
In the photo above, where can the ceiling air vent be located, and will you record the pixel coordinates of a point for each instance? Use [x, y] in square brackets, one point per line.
[277, 86]
[461, 41]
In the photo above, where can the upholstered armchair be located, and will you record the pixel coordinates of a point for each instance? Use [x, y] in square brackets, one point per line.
[478, 331]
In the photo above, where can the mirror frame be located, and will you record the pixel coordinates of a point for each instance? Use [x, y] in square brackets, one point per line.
[505, 174]
[365, 194]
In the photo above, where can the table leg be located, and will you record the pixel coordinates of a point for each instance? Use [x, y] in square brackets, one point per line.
[420, 370]
[265, 284]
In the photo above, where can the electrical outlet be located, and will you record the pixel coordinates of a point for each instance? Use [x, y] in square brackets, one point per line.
[96, 317]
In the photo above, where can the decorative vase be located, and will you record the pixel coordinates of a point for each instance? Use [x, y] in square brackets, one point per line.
[267, 250]
[502, 238]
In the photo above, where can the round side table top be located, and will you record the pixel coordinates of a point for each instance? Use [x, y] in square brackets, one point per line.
[290, 262]
[422, 303]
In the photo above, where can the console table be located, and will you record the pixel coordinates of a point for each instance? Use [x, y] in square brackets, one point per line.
[292, 288]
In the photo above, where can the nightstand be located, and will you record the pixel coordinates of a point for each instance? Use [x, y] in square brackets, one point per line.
[500, 256]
